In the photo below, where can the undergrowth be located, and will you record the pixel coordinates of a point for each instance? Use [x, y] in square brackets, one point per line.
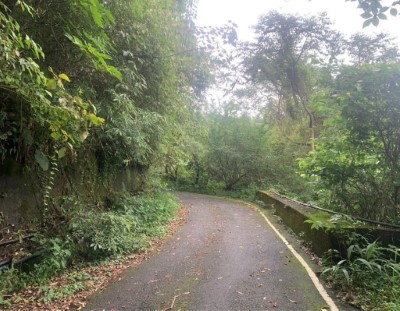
[126, 225]
[366, 274]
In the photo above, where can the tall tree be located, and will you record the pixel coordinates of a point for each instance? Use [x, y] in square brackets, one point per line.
[280, 58]
[365, 49]
[235, 150]
[69, 66]
[358, 157]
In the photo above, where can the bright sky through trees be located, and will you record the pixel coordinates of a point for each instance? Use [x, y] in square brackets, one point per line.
[245, 13]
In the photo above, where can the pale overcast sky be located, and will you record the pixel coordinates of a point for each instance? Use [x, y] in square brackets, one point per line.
[245, 13]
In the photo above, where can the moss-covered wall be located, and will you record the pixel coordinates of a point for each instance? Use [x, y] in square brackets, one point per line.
[294, 216]
[19, 194]
[295, 220]
[19, 199]
[21, 188]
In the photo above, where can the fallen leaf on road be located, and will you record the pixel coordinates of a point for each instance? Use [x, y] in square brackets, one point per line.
[292, 301]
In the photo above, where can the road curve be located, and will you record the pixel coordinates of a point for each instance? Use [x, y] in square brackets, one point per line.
[226, 257]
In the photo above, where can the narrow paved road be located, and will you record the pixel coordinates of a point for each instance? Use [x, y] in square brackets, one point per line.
[225, 257]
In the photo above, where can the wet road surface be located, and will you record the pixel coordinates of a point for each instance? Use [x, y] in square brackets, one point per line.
[225, 257]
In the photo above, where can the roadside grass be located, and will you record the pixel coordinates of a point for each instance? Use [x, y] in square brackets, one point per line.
[368, 276]
[92, 237]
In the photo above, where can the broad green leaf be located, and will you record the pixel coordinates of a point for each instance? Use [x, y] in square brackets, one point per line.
[350, 251]
[61, 152]
[56, 135]
[42, 160]
[26, 134]
[95, 119]
[51, 84]
[83, 135]
[365, 262]
[109, 16]
[64, 77]
[115, 72]
[96, 14]
[346, 275]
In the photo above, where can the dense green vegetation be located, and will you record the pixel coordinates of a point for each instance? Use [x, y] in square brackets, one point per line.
[93, 95]
[92, 236]
[368, 276]
[323, 107]
[323, 126]
[364, 272]
[101, 101]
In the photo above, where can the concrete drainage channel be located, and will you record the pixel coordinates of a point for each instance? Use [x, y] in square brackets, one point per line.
[294, 214]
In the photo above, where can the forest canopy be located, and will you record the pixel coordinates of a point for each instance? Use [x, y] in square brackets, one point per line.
[306, 110]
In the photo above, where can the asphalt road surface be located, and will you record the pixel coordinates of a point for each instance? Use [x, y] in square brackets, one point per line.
[225, 257]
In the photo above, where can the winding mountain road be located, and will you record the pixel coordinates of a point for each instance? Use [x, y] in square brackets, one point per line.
[226, 257]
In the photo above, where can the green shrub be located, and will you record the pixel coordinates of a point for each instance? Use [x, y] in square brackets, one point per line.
[93, 234]
[148, 210]
[56, 256]
[126, 227]
[152, 211]
[9, 281]
[102, 234]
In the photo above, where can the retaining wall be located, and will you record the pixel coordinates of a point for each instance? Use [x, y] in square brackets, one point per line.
[21, 199]
[294, 216]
